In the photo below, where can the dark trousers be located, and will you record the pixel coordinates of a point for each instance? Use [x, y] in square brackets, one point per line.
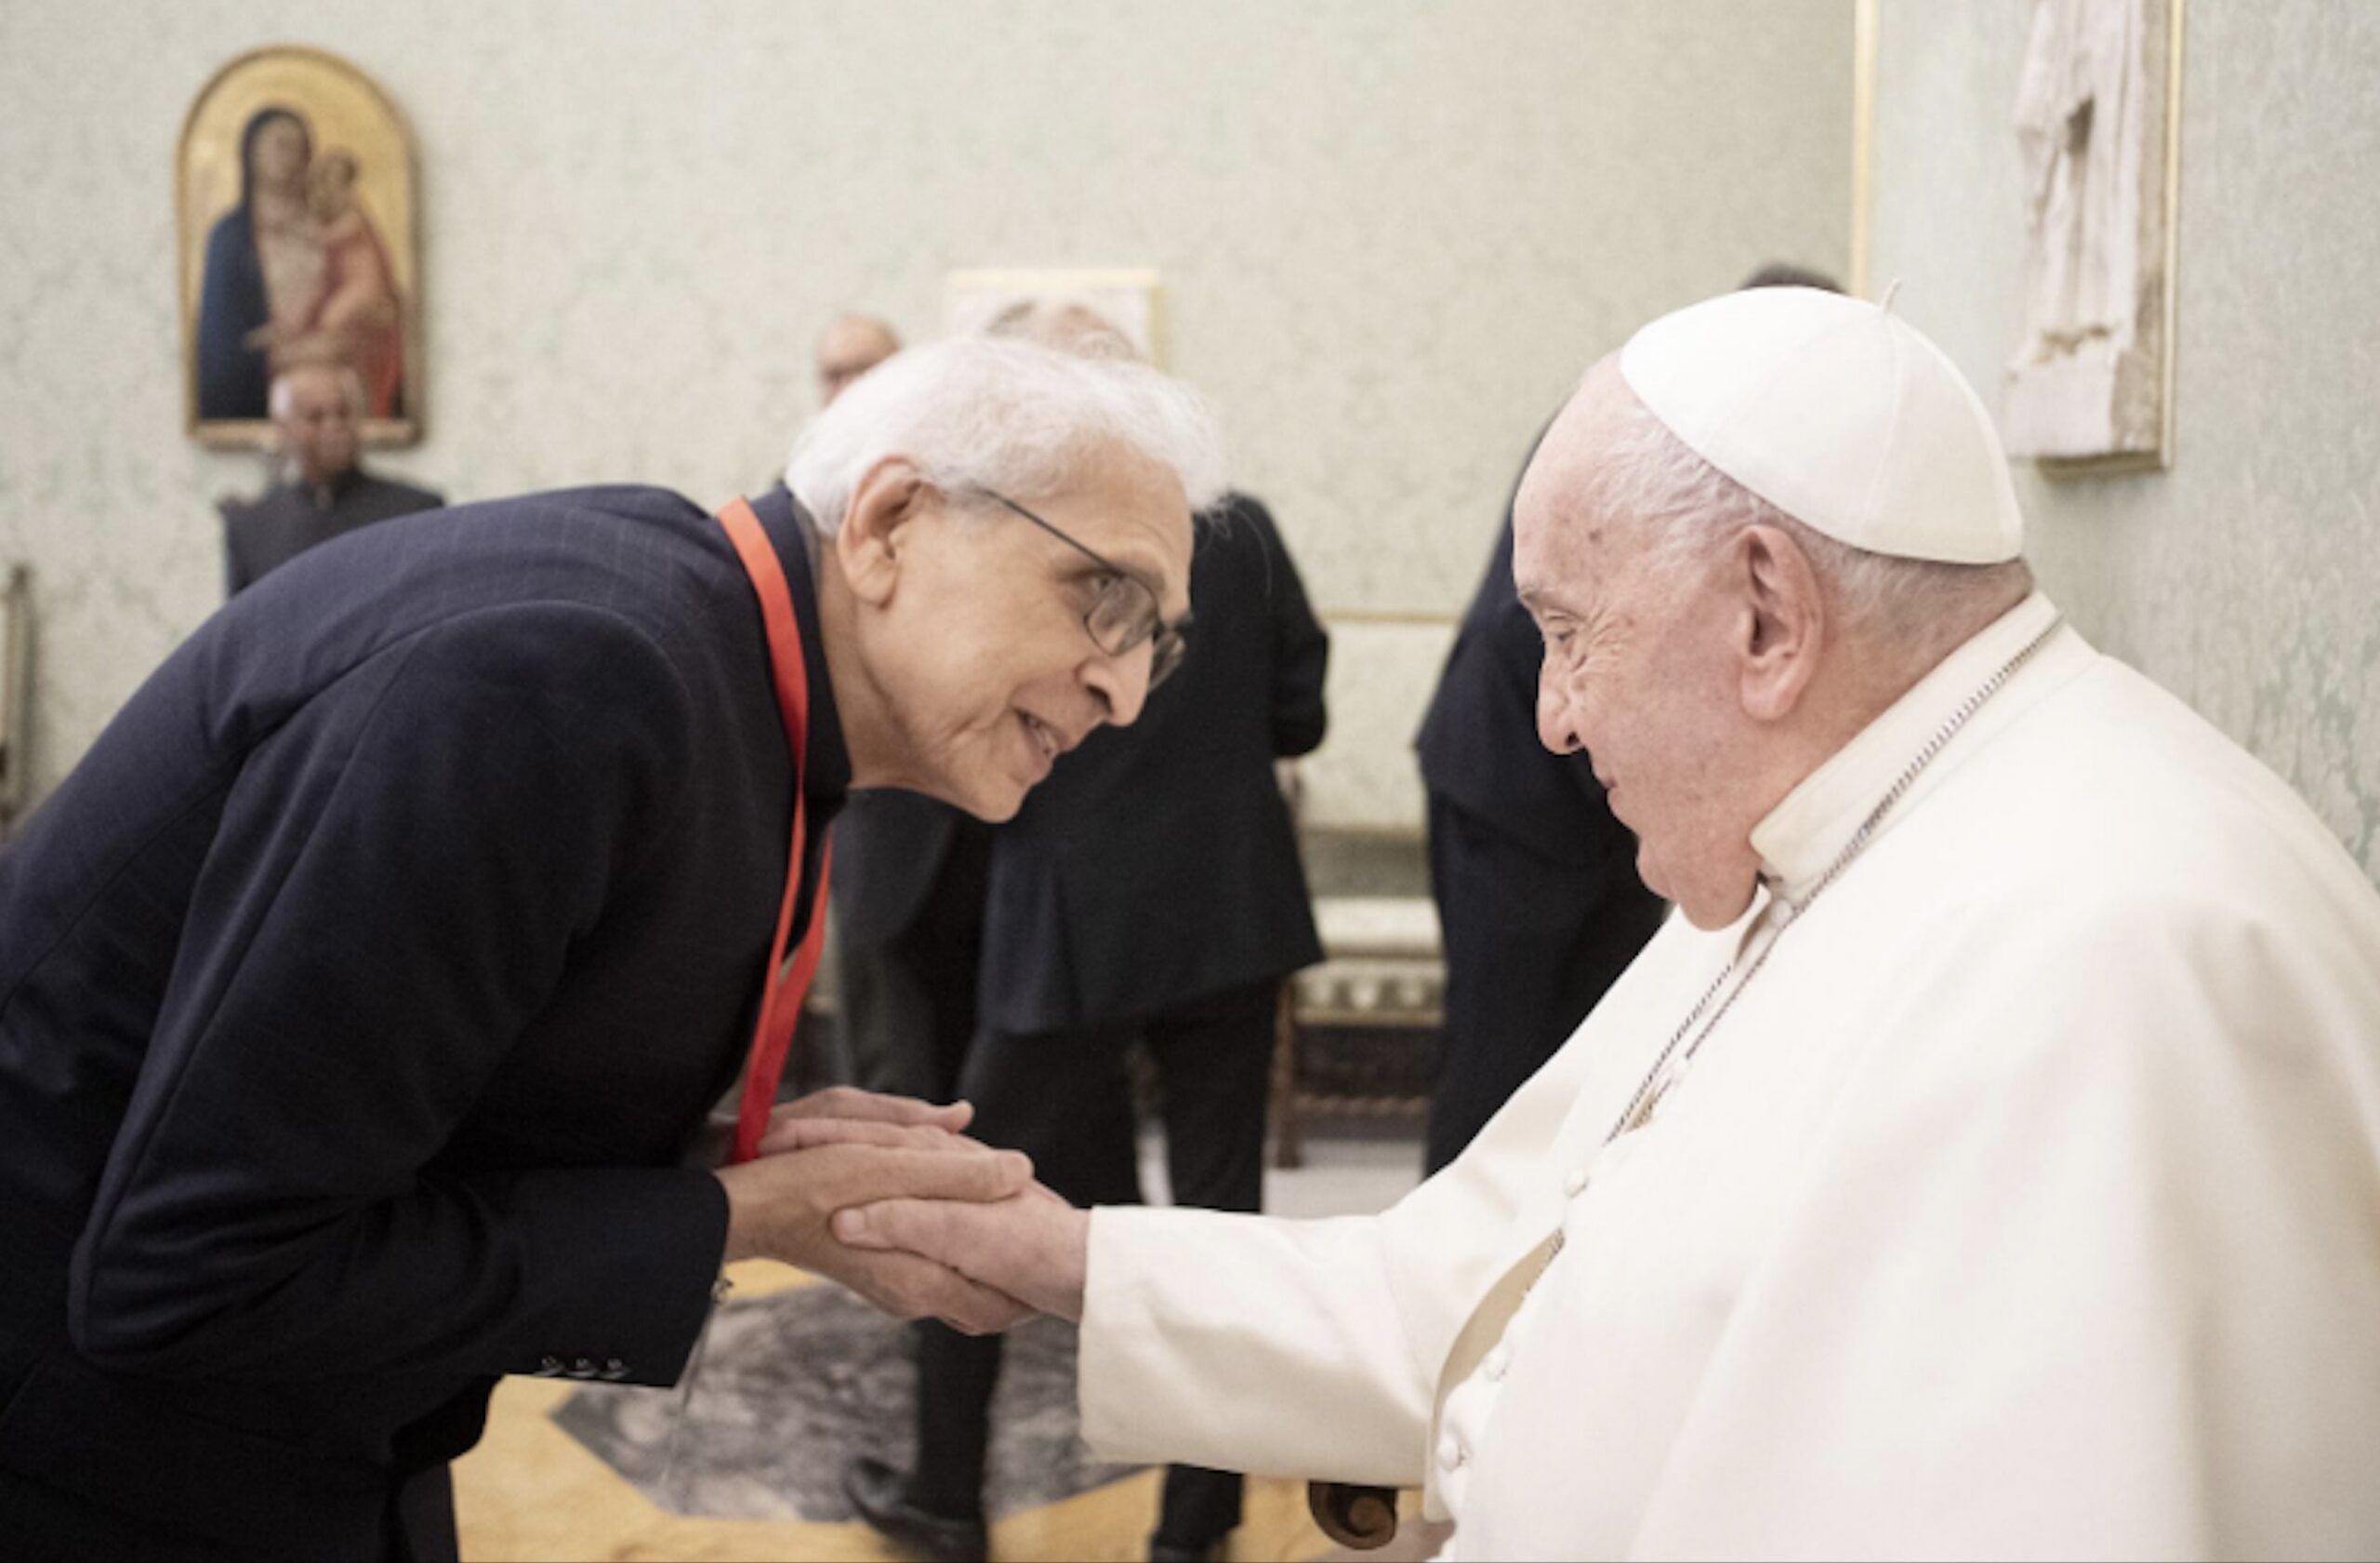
[1530, 945]
[1064, 1099]
[908, 1003]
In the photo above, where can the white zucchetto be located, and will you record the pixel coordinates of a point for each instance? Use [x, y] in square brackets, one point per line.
[1837, 412]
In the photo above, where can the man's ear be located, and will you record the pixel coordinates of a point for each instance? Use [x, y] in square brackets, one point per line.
[873, 540]
[1785, 622]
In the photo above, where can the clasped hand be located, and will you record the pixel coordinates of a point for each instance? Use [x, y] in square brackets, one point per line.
[842, 1148]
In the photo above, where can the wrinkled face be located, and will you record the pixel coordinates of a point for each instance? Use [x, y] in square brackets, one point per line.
[981, 651]
[317, 425]
[1637, 671]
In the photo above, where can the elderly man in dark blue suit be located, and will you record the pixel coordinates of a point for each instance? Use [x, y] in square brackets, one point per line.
[364, 990]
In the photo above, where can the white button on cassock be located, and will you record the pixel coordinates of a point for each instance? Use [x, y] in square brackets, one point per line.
[1576, 1184]
[1450, 1452]
[1492, 1366]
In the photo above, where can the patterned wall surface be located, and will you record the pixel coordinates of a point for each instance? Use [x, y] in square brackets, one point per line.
[1391, 234]
[2247, 577]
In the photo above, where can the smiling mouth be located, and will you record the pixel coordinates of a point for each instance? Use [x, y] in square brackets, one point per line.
[1043, 736]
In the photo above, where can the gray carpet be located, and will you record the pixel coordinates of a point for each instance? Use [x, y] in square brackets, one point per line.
[792, 1385]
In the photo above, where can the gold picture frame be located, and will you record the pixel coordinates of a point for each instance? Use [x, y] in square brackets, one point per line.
[297, 214]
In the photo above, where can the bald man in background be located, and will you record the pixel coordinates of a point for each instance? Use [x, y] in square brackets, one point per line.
[850, 346]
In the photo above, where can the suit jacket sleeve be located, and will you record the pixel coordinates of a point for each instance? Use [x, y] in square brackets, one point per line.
[393, 890]
[1300, 646]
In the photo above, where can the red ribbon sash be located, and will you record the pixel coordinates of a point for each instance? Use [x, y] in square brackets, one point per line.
[784, 985]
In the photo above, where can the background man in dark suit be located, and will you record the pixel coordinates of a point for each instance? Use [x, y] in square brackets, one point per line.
[908, 888]
[1151, 890]
[363, 991]
[1539, 900]
[1539, 903]
[317, 412]
[908, 902]
[1155, 894]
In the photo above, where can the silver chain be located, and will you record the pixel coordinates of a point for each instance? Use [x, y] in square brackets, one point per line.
[1650, 1090]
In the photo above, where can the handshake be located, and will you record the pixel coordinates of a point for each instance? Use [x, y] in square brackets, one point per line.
[886, 1196]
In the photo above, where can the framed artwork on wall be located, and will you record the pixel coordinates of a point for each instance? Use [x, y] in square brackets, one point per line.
[2098, 138]
[1127, 299]
[297, 214]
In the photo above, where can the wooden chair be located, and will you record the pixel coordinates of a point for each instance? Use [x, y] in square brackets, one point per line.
[1381, 971]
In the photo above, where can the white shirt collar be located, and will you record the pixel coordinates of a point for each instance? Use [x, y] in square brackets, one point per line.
[1805, 832]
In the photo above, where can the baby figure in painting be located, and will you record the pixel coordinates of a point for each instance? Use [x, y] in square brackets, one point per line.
[354, 316]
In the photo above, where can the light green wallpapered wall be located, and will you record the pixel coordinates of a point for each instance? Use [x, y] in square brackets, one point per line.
[1391, 232]
[2247, 577]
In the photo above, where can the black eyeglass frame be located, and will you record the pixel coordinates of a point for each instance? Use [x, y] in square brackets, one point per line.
[1168, 643]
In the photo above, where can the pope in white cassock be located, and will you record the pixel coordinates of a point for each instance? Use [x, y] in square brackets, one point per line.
[1986, 1162]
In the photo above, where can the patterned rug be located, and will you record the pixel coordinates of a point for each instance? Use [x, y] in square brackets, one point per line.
[793, 1384]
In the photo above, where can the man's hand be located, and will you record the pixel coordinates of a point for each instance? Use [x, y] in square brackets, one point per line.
[1032, 1247]
[841, 1102]
[814, 1163]
[849, 1103]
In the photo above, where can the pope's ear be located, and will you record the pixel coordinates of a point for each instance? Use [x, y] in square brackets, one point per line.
[1784, 622]
[874, 537]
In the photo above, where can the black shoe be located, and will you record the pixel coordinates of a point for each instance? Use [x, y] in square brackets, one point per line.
[882, 1496]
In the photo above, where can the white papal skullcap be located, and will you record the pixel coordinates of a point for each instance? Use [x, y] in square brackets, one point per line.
[1837, 412]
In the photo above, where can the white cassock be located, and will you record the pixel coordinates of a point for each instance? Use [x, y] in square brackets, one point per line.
[2026, 1202]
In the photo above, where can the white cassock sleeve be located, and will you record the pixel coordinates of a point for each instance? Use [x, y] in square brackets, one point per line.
[2087, 1263]
[1303, 1348]
[1274, 1347]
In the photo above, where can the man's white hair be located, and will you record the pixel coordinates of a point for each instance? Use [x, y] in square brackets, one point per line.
[1693, 509]
[1004, 414]
[350, 385]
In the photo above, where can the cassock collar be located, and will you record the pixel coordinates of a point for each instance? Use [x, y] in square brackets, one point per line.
[1803, 834]
[828, 776]
[327, 494]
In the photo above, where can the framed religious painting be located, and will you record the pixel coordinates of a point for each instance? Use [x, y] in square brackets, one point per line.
[297, 210]
[2098, 143]
[1124, 301]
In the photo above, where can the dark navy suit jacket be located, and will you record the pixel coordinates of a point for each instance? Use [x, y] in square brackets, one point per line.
[360, 995]
[1479, 747]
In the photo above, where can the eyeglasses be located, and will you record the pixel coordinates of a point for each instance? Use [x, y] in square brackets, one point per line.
[1124, 613]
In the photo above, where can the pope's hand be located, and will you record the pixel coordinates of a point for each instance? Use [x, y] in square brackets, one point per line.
[1032, 1247]
[815, 1162]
